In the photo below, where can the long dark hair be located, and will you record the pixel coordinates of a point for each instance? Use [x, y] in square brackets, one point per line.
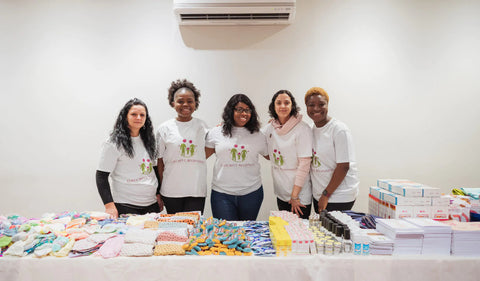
[121, 133]
[253, 125]
[271, 107]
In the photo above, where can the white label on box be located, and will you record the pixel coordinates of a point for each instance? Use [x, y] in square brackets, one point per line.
[439, 213]
[441, 201]
[375, 191]
[396, 199]
[429, 191]
[402, 212]
[385, 183]
[382, 184]
[422, 212]
[407, 190]
[421, 201]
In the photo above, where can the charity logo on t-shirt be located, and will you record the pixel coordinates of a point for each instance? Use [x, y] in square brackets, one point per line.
[187, 148]
[278, 157]
[146, 167]
[239, 153]
[315, 162]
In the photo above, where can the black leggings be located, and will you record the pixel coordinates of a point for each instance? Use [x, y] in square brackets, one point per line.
[344, 206]
[285, 206]
[183, 204]
[123, 208]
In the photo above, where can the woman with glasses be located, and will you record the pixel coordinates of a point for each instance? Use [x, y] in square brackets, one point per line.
[290, 149]
[237, 191]
[128, 157]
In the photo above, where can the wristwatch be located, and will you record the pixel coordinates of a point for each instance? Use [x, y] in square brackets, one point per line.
[325, 193]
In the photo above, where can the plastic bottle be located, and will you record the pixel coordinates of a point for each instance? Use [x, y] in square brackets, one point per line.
[347, 243]
[357, 243]
[365, 244]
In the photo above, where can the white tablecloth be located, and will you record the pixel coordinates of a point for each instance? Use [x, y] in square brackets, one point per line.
[210, 268]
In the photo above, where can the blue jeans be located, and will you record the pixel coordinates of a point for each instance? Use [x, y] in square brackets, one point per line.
[236, 208]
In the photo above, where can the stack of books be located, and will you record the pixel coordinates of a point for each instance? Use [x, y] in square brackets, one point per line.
[465, 238]
[437, 237]
[379, 243]
[407, 238]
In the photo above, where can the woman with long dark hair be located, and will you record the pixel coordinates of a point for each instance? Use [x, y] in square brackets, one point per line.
[129, 158]
[290, 149]
[237, 191]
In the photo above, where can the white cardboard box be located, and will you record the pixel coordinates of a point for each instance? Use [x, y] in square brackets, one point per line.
[440, 212]
[397, 200]
[373, 205]
[386, 183]
[422, 212]
[440, 201]
[375, 191]
[429, 191]
[407, 190]
[399, 212]
[421, 201]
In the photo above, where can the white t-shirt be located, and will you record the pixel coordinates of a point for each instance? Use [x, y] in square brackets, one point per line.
[284, 152]
[333, 144]
[236, 170]
[133, 180]
[182, 147]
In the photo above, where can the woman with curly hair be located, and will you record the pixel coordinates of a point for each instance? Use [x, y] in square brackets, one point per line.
[333, 171]
[290, 149]
[129, 158]
[237, 191]
[182, 164]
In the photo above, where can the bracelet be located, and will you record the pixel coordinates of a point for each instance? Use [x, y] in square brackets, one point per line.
[295, 198]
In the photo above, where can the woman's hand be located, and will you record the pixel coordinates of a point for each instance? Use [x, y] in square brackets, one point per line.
[160, 202]
[296, 206]
[322, 203]
[295, 201]
[111, 210]
[338, 175]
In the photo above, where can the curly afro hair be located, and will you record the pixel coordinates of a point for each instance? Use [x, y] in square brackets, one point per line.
[183, 83]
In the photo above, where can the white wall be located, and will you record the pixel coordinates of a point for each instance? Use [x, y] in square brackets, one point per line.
[403, 75]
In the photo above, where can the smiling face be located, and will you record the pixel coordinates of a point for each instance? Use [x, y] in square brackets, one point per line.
[241, 114]
[317, 110]
[136, 117]
[283, 107]
[184, 104]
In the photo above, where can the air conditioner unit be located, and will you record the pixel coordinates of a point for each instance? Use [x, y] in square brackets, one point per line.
[234, 12]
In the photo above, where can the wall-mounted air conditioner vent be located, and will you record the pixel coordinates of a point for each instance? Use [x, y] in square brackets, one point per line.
[234, 12]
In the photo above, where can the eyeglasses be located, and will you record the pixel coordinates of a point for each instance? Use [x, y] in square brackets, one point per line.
[242, 110]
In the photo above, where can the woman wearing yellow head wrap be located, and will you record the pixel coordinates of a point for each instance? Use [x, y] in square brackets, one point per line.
[333, 169]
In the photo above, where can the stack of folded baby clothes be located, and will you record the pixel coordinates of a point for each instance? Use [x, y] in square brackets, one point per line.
[139, 242]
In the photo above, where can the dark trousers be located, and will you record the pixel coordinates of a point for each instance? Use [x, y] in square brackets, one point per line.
[123, 208]
[285, 206]
[183, 204]
[344, 206]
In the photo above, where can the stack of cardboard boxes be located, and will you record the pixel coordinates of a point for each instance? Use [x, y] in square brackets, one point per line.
[397, 198]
